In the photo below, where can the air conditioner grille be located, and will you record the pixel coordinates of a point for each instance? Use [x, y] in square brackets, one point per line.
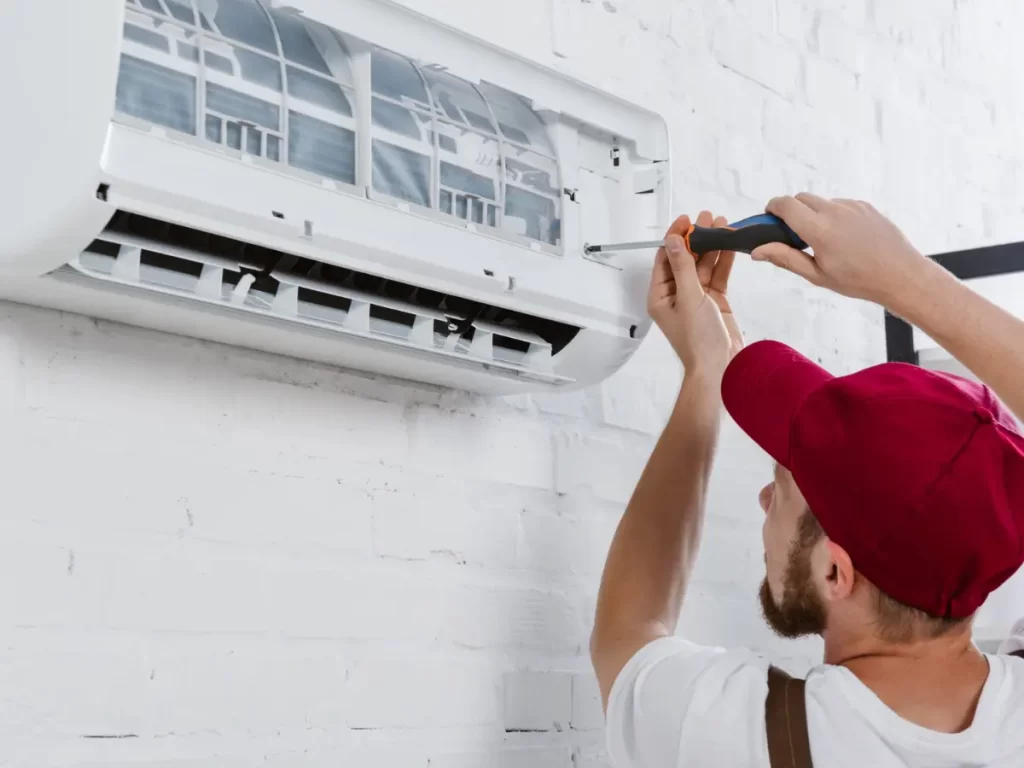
[143, 253]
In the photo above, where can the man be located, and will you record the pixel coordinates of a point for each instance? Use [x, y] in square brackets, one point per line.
[896, 507]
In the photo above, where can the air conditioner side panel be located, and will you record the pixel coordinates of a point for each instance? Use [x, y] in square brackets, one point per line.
[58, 98]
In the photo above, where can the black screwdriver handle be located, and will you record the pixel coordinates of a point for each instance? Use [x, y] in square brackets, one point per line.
[743, 236]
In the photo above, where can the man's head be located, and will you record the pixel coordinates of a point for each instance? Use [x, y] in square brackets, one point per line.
[897, 504]
[811, 581]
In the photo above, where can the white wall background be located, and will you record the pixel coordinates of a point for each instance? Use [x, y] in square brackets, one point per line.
[212, 557]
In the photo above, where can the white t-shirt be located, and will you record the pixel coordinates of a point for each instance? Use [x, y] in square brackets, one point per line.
[676, 705]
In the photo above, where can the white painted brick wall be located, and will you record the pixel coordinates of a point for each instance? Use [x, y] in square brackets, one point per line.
[538, 700]
[214, 557]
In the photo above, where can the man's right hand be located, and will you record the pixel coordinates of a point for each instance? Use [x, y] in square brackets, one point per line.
[857, 251]
[860, 253]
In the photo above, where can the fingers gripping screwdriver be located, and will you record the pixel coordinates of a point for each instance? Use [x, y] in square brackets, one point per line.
[742, 236]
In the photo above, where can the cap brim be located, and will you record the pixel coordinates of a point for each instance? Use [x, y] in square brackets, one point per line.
[763, 389]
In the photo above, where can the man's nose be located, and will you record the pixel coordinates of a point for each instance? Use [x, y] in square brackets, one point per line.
[765, 497]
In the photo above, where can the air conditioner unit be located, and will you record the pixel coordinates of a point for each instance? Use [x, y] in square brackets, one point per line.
[351, 183]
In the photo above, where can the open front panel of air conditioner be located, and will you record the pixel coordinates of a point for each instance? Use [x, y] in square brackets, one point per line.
[352, 183]
[170, 262]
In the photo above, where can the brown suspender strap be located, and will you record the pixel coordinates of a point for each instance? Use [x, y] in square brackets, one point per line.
[786, 718]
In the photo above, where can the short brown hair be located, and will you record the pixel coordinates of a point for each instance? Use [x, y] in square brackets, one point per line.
[895, 622]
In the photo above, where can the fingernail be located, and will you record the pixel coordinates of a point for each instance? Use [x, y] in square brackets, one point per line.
[674, 245]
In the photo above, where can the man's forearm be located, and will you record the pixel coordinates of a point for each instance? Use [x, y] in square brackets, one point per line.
[986, 339]
[655, 546]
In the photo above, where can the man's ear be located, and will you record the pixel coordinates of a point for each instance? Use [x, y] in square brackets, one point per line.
[839, 579]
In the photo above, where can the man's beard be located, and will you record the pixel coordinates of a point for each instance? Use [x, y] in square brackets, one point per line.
[801, 611]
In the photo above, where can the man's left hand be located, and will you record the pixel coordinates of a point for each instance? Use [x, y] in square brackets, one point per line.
[687, 299]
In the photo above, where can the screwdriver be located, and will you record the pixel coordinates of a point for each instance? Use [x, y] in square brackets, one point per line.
[742, 236]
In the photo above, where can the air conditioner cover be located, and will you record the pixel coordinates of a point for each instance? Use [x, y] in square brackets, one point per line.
[350, 183]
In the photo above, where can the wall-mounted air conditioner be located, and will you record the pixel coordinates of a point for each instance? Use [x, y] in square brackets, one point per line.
[348, 182]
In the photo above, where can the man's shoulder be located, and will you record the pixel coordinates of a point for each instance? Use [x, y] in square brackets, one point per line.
[678, 657]
[674, 692]
[1014, 643]
[683, 662]
[1008, 671]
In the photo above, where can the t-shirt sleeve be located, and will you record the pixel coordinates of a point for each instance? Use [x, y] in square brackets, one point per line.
[1015, 642]
[680, 704]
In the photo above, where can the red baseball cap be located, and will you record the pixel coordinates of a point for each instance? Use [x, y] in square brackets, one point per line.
[918, 475]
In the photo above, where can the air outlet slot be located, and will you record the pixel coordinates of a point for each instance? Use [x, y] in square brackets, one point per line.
[512, 344]
[171, 263]
[339, 303]
[148, 254]
[392, 315]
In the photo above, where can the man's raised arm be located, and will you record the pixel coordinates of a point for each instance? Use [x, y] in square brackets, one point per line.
[860, 253]
[655, 546]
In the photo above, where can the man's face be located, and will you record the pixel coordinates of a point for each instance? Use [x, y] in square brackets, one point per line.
[790, 601]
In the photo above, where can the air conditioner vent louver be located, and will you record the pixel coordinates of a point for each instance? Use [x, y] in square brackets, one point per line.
[143, 254]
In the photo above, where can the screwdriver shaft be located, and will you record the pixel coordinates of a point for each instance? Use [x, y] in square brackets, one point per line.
[636, 246]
